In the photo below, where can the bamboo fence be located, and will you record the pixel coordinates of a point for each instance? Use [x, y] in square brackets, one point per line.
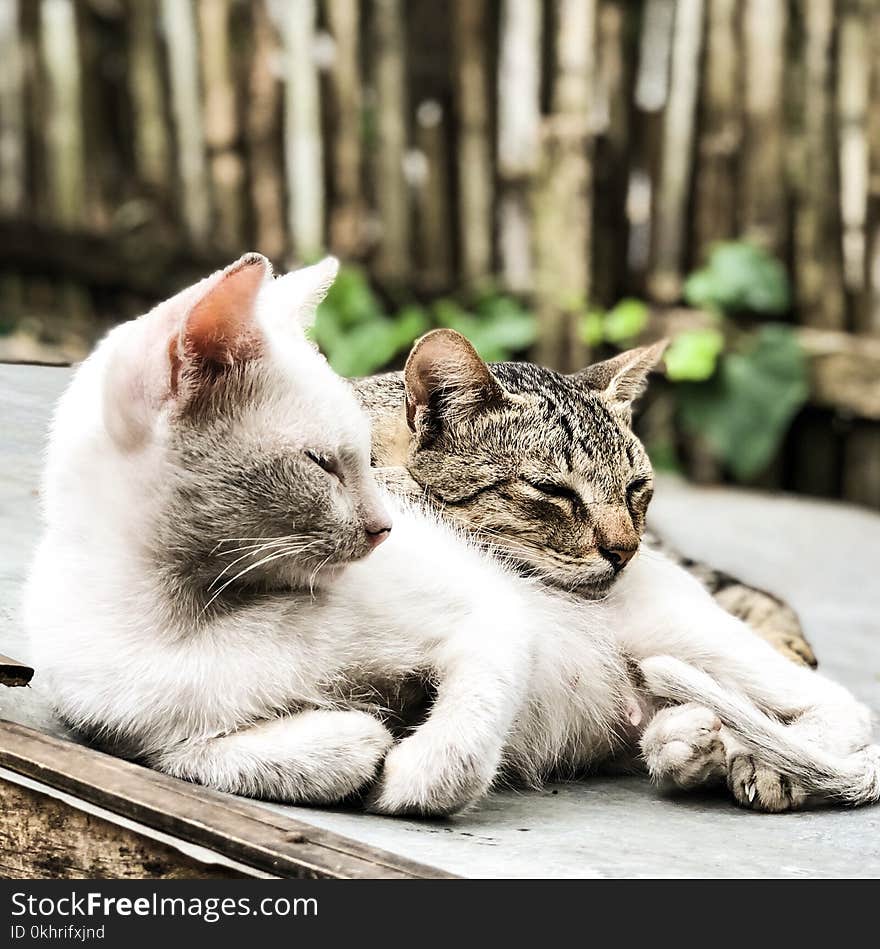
[569, 151]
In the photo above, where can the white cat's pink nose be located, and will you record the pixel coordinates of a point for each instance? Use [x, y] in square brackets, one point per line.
[378, 532]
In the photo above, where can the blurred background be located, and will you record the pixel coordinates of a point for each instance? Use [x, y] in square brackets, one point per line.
[558, 180]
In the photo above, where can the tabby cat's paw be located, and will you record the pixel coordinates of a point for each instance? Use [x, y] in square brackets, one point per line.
[760, 788]
[682, 746]
[797, 649]
[427, 780]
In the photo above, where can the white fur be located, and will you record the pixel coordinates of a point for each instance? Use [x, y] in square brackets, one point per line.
[262, 699]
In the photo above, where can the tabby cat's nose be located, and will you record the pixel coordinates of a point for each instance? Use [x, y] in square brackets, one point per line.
[618, 557]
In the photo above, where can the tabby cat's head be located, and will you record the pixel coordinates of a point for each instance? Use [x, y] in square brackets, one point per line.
[543, 465]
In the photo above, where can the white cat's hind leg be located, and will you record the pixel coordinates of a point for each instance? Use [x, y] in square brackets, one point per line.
[682, 747]
[313, 757]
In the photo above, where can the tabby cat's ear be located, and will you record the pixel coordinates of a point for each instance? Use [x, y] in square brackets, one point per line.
[300, 291]
[622, 379]
[446, 379]
[220, 328]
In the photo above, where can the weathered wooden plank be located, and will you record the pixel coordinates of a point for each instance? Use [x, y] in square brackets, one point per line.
[45, 838]
[470, 19]
[181, 38]
[392, 201]
[238, 828]
[222, 132]
[138, 266]
[861, 470]
[345, 85]
[676, 151]
[617, 55]
[262, 121]
[151, 132]
[563, 192]
[14, 673]
[844, 371]
[720, 133]
[818, 261]
[868, 312]
[762, 205]
[853, 71]
[63, 127]
[434, 226]
[519, 136]
[303, 144]
[12, 108]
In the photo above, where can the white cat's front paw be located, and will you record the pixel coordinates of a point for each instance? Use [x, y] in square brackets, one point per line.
[421, 778]
[682, 746]
[760, 788]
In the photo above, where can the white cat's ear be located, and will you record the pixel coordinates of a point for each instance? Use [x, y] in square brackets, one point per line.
[299, 292]
[220, 329]
[184, 342]
[623, 378]
[446, 379]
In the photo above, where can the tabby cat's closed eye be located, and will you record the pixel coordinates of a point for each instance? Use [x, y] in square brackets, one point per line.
[552, 489]
[639, 492]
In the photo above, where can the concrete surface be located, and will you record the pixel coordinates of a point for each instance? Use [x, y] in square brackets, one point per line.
[823, 557]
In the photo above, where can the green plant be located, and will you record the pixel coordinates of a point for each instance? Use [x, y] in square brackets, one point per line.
[619, 326]
[736, 393]
[498, 326]
[693, 355]
[355, 333]
[744, 411]
[358, 336]
[739, 277]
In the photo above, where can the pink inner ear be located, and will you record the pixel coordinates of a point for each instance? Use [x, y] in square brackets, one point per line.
[220, 328]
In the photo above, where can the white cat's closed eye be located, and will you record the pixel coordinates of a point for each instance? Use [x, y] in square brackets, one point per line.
[326, 463]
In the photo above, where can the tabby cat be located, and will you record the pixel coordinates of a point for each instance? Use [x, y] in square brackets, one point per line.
[535, 472]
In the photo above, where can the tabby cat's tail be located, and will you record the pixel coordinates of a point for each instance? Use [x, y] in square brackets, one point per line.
[851, 779]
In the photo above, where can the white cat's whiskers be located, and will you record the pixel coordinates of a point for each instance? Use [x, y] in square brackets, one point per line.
[275, 555]
[314, 575]
[253, 551]
[255, 546]
[248, 540]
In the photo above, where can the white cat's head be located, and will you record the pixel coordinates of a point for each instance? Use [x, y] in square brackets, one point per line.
[211, 425]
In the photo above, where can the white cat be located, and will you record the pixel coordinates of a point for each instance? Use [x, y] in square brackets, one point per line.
[202, 598]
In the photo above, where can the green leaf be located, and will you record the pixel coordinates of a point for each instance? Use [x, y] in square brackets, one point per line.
[744, 412]
[739, 277]
[354, 332]
[364, 349]
[664, 456]
[693, 355]
[625, 321]
[591, 327]
[500, 330]
[350, 299]
[409, 324]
